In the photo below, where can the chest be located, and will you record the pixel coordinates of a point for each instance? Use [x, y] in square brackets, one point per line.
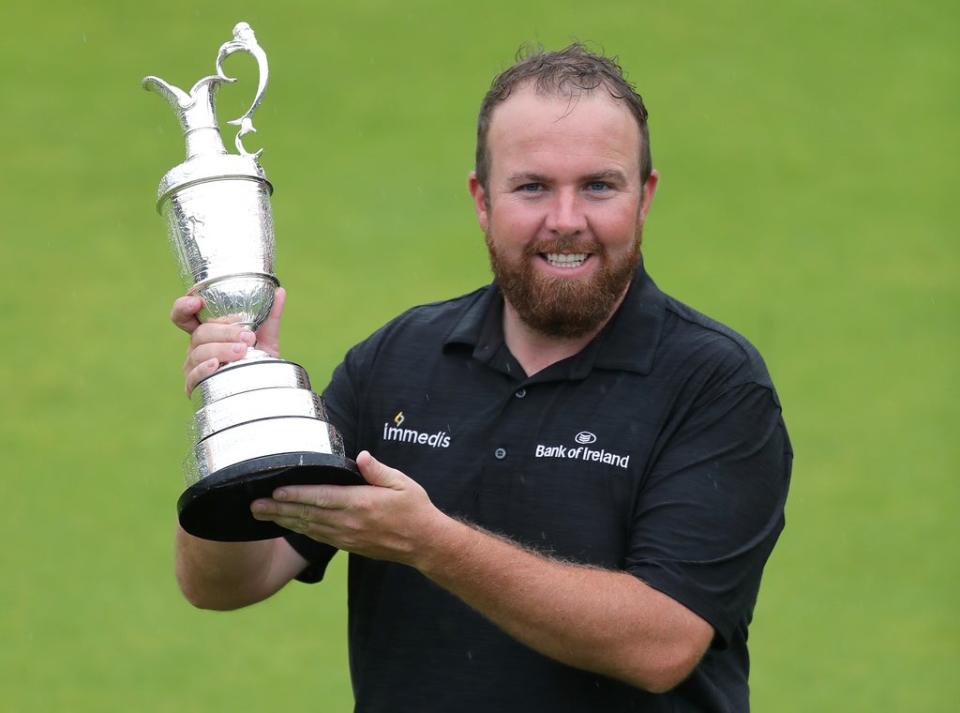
[556, 465]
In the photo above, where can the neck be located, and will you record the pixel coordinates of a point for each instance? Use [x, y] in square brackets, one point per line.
[536, 351]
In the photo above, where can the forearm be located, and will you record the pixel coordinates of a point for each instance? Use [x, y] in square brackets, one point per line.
[599, 620]
[226, 575]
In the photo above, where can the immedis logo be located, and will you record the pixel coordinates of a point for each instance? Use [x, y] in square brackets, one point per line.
[394, 431]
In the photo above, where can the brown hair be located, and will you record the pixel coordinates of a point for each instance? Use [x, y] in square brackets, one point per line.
[572, 71]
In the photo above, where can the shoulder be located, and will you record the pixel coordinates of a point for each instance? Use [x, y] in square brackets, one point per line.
[715, 380]
[692, 340]
[418, 329]
[437, 318]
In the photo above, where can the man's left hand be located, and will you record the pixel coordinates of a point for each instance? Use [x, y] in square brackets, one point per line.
[392, 518]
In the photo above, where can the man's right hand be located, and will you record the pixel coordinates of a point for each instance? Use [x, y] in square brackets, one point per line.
[228, 575]
[215, 343]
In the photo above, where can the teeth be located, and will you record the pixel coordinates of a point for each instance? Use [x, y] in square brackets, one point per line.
[566, 259]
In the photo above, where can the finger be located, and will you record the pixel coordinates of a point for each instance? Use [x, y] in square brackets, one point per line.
[299, 517]
[224, 352]
[269, 333]
[184, 313]
[206, 359]
[320, 531]
[218, 332]
[323, 497]
[376, 473]
[198, 374]
[293, 517]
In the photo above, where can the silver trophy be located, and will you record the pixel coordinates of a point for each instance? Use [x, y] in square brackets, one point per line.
[258, 425]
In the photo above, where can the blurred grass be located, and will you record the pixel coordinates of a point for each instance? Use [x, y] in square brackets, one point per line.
[807, 154]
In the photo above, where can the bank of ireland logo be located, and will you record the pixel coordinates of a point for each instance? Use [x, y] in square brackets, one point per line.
[399, 418]
[582, 451]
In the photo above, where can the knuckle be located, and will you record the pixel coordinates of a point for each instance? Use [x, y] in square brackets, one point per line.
[190, 382]
[223, 352]
[177, 310]
[194, 359]
[315, 495]
[291, 524]
[204, 334]
[183, 314]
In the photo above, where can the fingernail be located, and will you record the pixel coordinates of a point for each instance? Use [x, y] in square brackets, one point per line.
[248, 337]
[211, 363]
[280, 494]
[239, 348]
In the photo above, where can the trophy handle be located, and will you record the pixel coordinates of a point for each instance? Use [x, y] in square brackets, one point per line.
[244, 40]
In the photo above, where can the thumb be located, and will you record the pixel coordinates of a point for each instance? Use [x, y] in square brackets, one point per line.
[376, 473]
[268, 336]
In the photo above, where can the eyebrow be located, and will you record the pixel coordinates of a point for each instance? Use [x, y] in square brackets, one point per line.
[609, 174]
[527, 178]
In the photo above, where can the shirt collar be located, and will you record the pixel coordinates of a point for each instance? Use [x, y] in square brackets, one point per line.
[628, 341]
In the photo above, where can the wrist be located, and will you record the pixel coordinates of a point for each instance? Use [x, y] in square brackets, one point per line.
[443, 540]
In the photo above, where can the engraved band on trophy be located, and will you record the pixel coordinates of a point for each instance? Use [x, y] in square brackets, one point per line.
[258, 425]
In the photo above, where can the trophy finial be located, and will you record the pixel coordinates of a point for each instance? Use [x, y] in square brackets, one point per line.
[196, 110]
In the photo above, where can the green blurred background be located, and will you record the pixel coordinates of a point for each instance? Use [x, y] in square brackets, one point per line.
[807, 152]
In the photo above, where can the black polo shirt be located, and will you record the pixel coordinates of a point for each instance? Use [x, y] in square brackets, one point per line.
[659, 449]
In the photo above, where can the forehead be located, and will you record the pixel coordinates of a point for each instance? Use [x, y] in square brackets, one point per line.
[589, 128]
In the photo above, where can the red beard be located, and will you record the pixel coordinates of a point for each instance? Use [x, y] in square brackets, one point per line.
[563, 307]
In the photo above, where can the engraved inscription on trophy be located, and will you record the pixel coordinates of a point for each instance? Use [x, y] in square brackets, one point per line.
[258, 425]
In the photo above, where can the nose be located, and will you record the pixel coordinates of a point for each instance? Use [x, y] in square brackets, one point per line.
[565, 215]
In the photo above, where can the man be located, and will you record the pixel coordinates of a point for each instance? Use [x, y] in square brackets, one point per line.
[574, 480]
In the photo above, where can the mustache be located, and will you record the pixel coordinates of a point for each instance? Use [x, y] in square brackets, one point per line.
[564, 245]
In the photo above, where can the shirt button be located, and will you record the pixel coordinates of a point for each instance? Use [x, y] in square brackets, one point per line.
[521, 393]
[500, 453]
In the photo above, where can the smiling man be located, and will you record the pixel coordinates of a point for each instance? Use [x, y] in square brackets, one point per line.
[561, 192]
[574, 480]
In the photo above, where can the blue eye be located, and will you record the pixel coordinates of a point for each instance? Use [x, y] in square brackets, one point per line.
[598, 186]
[530, 187]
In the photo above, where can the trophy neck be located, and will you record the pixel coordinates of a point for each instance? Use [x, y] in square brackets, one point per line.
[199, 120]
[203, 141]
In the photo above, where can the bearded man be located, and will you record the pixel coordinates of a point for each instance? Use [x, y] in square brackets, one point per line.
[595, 474]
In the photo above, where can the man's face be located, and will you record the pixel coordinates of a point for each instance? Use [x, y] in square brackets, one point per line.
[564, 209]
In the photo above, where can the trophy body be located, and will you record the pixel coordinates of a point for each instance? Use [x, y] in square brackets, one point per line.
[258, 425]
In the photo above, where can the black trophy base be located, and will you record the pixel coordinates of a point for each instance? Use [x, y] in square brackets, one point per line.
[218, 507]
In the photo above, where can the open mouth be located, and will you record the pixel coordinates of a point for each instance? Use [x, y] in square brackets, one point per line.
[565, 260]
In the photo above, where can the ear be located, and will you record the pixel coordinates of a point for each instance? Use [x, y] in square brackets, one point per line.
[479, 200]
[649, 188]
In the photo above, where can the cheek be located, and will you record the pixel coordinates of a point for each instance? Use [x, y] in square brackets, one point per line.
[616, 230]
[515, 225]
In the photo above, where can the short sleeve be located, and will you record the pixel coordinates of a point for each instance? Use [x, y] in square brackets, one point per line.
[712, 507]
[340, 403]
